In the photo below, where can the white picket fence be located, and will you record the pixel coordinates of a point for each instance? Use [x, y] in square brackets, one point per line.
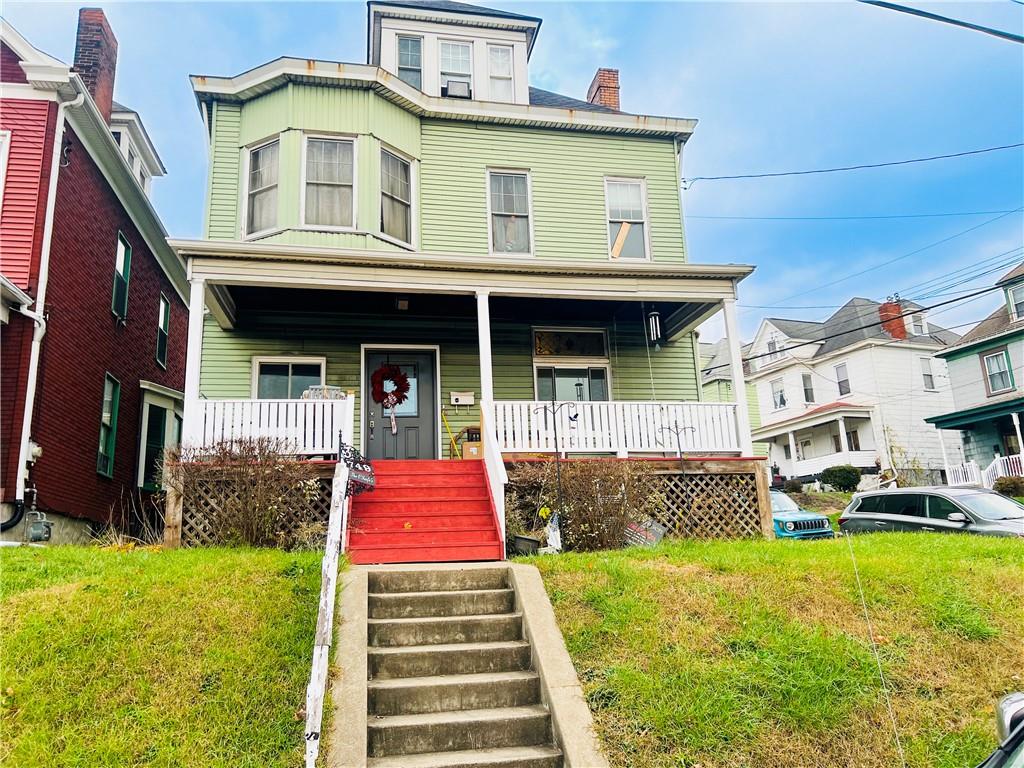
[307, 427]
[622, 428]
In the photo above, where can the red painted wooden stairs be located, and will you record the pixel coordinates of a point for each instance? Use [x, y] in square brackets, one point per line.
[425, 512]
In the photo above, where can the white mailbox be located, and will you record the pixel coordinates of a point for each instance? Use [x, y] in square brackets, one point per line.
[461, 398]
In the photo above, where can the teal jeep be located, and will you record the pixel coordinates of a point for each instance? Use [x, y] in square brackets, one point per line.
[792, 522]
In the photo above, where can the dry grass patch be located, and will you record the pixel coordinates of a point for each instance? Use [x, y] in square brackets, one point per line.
[755, 653]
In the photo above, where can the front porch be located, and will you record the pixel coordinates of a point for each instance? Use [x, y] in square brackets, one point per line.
[991, 437]
[804, 446]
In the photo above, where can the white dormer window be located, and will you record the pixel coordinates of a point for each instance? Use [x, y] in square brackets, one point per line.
[410, 60]
[499, 61]
[774, 350]
[456, 65]
[1016, 295]
[918, 325]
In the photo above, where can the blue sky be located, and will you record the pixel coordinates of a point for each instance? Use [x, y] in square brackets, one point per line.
[775, 86]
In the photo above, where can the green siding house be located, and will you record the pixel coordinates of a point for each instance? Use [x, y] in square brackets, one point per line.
[502, 245]
[716, 384]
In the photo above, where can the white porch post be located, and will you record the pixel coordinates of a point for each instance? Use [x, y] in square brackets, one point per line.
[844, 446]
[1016, 428]
[945, 458]
[739, 385]
[483, 323]
[792, 452]
[193, 359]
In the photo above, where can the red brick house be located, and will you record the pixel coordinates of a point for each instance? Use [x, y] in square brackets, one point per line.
[92, 312]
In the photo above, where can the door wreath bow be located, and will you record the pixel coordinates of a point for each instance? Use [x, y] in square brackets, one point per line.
[393, 398]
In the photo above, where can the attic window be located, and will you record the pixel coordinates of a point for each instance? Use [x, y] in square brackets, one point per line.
[774, 353]
[918, 324]
[456, 65]
[1016, 295]
[410, 60]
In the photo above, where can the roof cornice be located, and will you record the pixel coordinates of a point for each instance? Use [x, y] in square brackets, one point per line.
[274, 74]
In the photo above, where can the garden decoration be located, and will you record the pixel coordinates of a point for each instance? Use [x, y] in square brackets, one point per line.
[677, 430]
[554, 408]
[361, 477]
[392, 398]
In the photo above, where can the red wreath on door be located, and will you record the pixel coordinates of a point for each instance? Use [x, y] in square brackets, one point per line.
[392, 373]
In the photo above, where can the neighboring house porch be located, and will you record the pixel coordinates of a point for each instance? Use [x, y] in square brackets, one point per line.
[991, 435]
[833, 434]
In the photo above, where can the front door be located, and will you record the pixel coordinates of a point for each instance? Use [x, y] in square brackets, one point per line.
[414, 435]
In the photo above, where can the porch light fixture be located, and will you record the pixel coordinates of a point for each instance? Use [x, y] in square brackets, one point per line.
[402, 304]
[654, 327]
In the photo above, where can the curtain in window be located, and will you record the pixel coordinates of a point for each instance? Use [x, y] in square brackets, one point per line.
[329, 182]
[510, 213]
[998, 375]
[395, 202]
[262, 189]
[501, 73]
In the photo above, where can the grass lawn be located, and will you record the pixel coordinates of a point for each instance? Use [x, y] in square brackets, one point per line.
[148, 658]
[755, 654]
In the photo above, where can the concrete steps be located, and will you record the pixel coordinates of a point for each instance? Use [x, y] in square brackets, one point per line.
[425, 511]
[451, 684]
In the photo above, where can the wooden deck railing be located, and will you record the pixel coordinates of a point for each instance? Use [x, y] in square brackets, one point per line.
[622, 428]
[307, 427]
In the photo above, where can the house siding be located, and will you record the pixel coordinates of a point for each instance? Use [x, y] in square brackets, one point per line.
[227, 358]
[15, 344]
[10, 66]
[84, 341]
[26, 182]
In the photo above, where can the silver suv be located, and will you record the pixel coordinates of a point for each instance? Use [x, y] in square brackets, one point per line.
[939, 509]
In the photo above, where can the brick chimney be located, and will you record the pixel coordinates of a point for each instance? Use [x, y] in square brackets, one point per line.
[96, 57]
[893, 323]
[604, 88]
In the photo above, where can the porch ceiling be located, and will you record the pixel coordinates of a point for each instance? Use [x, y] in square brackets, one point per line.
[969, 416]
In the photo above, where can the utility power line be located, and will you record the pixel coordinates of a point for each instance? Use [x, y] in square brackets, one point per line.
[687, 182]
[852, 218]
[1013, 38]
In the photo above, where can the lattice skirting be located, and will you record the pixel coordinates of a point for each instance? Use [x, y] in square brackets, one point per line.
[200, 508]
[710, 505]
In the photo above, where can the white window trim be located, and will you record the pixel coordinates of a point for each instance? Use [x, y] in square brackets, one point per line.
[512, 71]
[529, 208]
[562, 361]
[812, 401]
[258, 360]
[352, 139]
[835, 370]
[5, 151]
[1009, 375]
[930, 372]
[244, 186]
[414, 194]
[472, 53]
[913, 325]
[398, 56]
[782, 391]
[647, 216]
[173, 407]
[363, 349]
[1012, 304]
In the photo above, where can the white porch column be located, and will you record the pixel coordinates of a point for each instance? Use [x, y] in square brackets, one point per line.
[844, 446]
[945, 458]
[483, 323]
[1016, 428]
[193, 359]
[739, 384]
[792, 452]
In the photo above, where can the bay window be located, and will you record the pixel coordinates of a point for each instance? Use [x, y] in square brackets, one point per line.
[330, 186]
[261, 197]
[395, 197]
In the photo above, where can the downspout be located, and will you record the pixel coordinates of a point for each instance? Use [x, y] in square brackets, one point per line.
[40, 304]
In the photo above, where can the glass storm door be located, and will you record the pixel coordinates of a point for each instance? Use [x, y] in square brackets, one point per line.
[415, 432]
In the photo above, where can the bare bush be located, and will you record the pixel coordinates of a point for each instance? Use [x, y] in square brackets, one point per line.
[136, 520]
[599, 499]
[252, 491]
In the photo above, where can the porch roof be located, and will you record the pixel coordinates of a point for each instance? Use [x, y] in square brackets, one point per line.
[969, 416]
[698, 288]
[812, 418]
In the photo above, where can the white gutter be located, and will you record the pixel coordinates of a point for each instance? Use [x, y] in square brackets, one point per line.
[40, 303]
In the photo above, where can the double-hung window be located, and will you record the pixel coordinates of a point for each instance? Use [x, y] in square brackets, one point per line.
[261, 199]
[329, 182]
[122, 274]
[774, 353]
[510, 212]
[917, 324]
[499, 62]
[571, 364]
[926, 373]
[456, 65]
[778, 394]
[627, 221]
[997, 372]
[108, 426]
[843, 379]
[282, 379]
[395, 197]
[410, 60]
[163, 327]
[1016, 295]
[808, 383]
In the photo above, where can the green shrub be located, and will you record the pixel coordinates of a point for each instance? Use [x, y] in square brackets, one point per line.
[842, 477]
[1009, 486]
[793, 485]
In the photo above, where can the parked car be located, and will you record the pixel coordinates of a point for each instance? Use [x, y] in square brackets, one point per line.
[939, 509]
[792, 522]
[1010, 725]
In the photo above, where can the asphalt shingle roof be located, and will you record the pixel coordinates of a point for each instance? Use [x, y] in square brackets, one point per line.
[541, 98]
[450, 6]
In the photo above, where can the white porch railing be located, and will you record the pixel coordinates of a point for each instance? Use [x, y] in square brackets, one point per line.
[967, 473]
[1002, 466]
[497, 477]
[308, 427]
[622, 428]
[805, 467]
